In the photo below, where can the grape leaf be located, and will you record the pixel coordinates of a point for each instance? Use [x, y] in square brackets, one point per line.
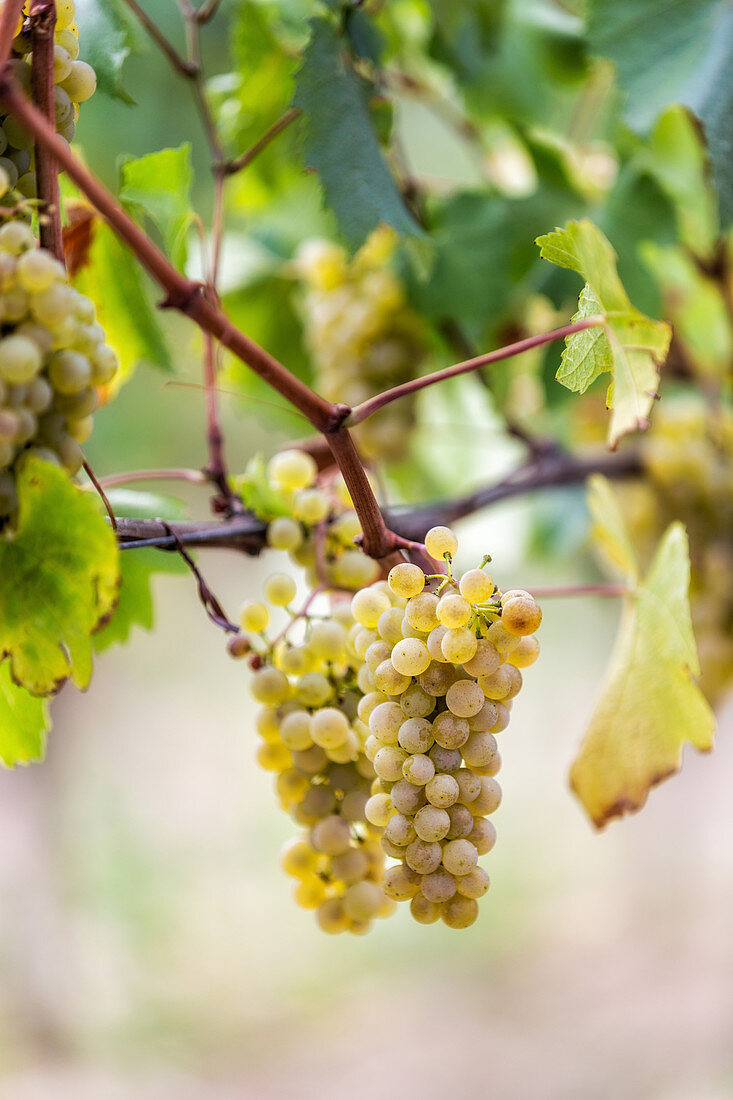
[114, 282]
[24, 722]
[341, 145]
[135, 603]
[650, 705]
[158, 186]
[666, 51]
[681, 164]
[254, 488]
[109, 35]
[630, 345]
[60, 573]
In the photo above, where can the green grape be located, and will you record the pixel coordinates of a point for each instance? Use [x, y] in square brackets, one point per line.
[476, 586]
[424, 911]
[284, 533]
[406, 580]
[464, 698]
[459, 857]
[280, 589]
[20, 359]
[453, 611]
[521, 615]
[292, 469]
[80, 83]
[69, 372]
[439, 885]
[410, 657]
[254, 616]
[459, 912]
[440, 541]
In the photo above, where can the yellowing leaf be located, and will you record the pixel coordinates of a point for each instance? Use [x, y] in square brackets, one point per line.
[650, 705]
[60, 575]
[24, 722]
[630, 345]
[609, 527]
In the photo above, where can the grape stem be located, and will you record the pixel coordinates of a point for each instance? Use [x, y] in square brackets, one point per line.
[174, 474]
[248, 534]
[42, 18]
[568, 590]
[10, 14]
[230, 167]
[101, 493]
[366, 408]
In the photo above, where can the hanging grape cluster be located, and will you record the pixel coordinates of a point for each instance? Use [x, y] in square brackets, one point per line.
[688, 462]
[75, 81]
[361, 334]
[380, 724]
[52, 356]
[444, 667]
[313, 740]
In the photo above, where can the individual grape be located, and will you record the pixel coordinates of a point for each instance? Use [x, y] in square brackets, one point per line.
[400, 830]
[483, 835]
[459, 645]
[254, 616]
[416, 734]
[362, 900]
[295, 730]
[453, 611]
[298, 859]
[280, 589]
[415, 702]
[464, 699]
[388, 763]
[423, 856]
[406, 797]
[424, 911]
[401, 883]
[442, 791]
[485, 660]
[489, 798]
[459, 912]
[479, 749]
[20, 359]
[450, 731]
[440, 541]
[327, 640]
[80, 83]
[436, 679]
[284, 533]
[473, 885]
[461, 821]
[368, 604]
[385, 722]
[329, 728]
[439, 885]
[521, 615]
[377, 653]
[501, 639]
[406, 580]
[313, 689]
[332, 916]
[435, 643]
[445, 760]
[459, 857]
[292, 469]
[389, 680]
[524, 654]
[331, 835]
[311, 506]
[418, 769]
[432, 823]
[469, 786]
[410, 657]
[476, 586]
[502, 718]
[497, 685]
[389, 626]
[486, 718]
[379, 809]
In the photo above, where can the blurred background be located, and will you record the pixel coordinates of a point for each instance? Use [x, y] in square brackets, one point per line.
[149, 944]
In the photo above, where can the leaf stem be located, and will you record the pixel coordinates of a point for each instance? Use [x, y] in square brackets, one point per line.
[232, 166]
[164, 45]
[173, 474]
[366, 408]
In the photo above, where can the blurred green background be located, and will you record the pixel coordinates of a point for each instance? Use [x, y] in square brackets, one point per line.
[149, 945]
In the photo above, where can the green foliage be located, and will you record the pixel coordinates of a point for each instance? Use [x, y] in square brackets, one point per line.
[158, 186]
[111, 34]
[135, 602]
[258, 495]
[114, 282]
[629, 345]
[24, 722]
[650, 705]
[671, 52]
[60, 574]
[341, 145]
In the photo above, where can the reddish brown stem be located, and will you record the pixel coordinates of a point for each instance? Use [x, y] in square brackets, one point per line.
[377, 540]
[43, 22]
[181, 293]
[367, 408]
[181, 66]
[10, 15]
[101, 493]
[196, 477]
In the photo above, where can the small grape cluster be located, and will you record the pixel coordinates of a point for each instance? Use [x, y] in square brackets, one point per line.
[361, 334]
[52, 356]
[75, 81]
[312, 739]
[443, 668]
[319, 532]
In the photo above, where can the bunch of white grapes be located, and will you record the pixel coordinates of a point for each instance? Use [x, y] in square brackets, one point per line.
[688, 464]
[361, 334]
[319, 532]
[52, 356]
[443, 669]
[75, 81]
[313, 740]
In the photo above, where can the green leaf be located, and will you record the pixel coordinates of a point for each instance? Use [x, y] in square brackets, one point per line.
[135, 603]
[680, 163]
[24, 722]
[109, 34]
[650, 705]
[257, 494]
[158, 186]
[631, 346]
[60, 573]
[114, 282]
[668, 51]
[696, 307]
[341, 145]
